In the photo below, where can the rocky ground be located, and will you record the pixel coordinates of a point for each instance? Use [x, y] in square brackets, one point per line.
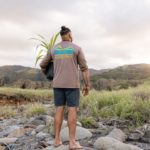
[34, 133]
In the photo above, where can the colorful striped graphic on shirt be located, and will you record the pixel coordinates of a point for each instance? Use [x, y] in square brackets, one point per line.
[62, 53]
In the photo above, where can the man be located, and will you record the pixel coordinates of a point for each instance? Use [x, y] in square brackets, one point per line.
[67, 57]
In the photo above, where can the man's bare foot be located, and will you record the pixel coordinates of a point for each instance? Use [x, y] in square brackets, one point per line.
[75, 145]
[57, 143]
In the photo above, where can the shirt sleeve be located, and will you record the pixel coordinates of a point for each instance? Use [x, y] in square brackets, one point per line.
[45, 62]
[82, 61]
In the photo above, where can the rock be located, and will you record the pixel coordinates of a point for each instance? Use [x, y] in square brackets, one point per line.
[7, 131]
[146, 136]
[40, 128]
[37, 121]
[42, 144]
[64, 124]
[108, 143]
[147, 132]
[19, 132]
[144, 139]
[79, 124]
[2, 148]
[33, 132]
[8, 140]
[62, 147]
[81, 133]
[42, 135]
[117, 134]
[101, 126]
[135, 136]
[30, 126]
[49, 120]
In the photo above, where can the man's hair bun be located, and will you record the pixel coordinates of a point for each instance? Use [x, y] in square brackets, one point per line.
[64, 30]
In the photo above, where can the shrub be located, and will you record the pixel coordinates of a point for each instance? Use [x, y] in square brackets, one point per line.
[88, 122]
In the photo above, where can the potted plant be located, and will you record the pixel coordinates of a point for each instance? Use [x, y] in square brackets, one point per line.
[42, 50]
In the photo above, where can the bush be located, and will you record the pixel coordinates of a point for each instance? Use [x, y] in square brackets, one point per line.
[88, 122]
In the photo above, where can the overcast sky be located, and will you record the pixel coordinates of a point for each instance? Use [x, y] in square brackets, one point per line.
[110, 32]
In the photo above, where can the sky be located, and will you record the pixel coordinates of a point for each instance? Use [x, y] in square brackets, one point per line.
[110, 32]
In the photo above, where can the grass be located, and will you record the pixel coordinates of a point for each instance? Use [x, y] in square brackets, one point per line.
[34, 109]
[27, 94]
[132, 104]
[7, 112]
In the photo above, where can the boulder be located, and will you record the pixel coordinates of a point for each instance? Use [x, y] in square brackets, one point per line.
[19, 132]
[117, 134]
[81, 133]
[8, 140]
[108, 143]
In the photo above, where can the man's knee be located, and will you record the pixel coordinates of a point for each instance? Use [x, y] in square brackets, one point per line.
[59, 109]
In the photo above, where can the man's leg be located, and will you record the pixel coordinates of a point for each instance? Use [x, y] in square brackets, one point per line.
[72, 119]
[59, 99]
[57, 124]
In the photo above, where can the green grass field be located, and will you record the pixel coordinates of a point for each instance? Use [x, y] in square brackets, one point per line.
[132, 104]
[27, 94]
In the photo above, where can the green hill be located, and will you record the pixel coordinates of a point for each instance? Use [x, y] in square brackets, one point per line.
[121, 77]
[106, 79]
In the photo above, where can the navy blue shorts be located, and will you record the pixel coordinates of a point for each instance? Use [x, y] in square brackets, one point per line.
[66, 96]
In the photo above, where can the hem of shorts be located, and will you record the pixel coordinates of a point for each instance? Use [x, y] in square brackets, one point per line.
[71, 87]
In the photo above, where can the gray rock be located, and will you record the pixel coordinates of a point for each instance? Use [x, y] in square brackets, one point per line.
[62, 147]
[7, 131]
[8, 140]
[19, 132]
[79, 124]
[65, 124]
[33, 132]
[147, 132]
[41, 120]
[49, 120]
[117, 134]
[40, 128]
[146, 136]
[42, 135]
[108, 143]
[135, 136]
[81, 133]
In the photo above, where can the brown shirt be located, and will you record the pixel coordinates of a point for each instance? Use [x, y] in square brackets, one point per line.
[66, 57]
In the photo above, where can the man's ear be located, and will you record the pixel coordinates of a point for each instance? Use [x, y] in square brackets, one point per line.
[70, 37]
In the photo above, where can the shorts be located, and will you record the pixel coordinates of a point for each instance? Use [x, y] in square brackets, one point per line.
[66, 96]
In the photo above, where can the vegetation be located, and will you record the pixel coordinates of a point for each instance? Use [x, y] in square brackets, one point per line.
[88, 122]
[26, 94]
[7, 112]
[34, 109]
[121, 77]
[45, 46]
[132, 104]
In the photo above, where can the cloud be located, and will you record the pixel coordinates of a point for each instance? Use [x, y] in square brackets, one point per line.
[111, 32]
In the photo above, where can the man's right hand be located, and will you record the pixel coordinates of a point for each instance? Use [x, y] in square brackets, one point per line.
[85, 90]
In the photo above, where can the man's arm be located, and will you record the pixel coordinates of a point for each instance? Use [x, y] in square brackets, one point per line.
[85, 72]
[45, 62]
[86, 79]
